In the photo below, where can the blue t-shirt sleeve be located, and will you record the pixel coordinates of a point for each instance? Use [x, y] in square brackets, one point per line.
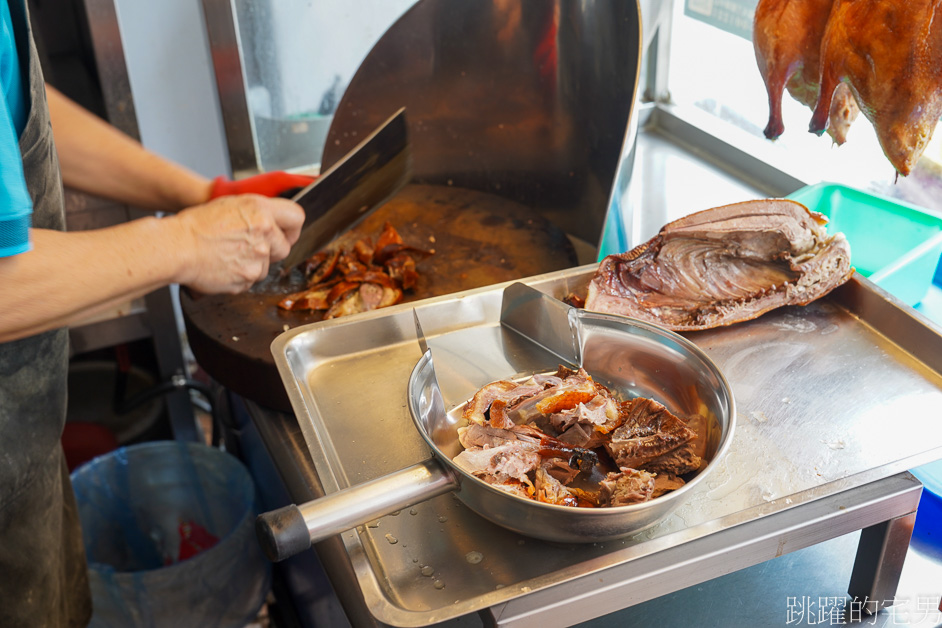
[16, 207]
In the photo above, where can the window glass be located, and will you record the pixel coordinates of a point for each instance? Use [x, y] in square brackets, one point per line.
[298, 57]
[714, 78]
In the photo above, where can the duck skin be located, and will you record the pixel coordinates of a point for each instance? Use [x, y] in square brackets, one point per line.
[889, 52]
[787, 41]
[722, 266]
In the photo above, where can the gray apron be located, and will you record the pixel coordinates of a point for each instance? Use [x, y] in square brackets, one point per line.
[43, 575]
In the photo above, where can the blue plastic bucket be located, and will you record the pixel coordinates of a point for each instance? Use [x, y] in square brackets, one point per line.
[928, 527]
[169, 534]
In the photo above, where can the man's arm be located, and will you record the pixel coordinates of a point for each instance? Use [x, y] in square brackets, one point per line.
[97, 158]
[223, 246]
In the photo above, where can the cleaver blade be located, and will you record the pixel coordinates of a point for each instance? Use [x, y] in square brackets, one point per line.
[352, 188]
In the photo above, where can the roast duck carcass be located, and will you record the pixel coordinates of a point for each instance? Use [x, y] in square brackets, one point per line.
[565, 439]
[724, 265]
[887, 52]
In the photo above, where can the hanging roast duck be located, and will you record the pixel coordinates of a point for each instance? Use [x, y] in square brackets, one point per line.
[886, 53]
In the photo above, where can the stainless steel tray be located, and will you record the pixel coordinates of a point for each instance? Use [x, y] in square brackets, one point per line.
[830, 397]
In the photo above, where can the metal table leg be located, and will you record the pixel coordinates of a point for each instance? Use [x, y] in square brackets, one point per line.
[879, 563]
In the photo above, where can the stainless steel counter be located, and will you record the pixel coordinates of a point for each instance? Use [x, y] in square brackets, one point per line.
[813, 458]
[762, 595]
[653, 585]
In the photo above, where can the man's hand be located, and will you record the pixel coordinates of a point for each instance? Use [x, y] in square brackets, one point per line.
[224, 246]
[266, 184]
[230, 242]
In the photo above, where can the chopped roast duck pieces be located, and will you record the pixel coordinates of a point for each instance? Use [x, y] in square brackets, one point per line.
[500, 463]
[723, 266]
[648, 432]
[630, 486]
[678, 461]
[665, 483]
[565, 439]
[357, 278]
[549, 490]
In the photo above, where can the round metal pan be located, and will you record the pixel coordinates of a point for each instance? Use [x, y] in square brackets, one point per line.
[479, 239]
[630, 357]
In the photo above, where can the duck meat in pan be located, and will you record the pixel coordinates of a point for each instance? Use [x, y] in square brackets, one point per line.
[724, 265]
[565, 439]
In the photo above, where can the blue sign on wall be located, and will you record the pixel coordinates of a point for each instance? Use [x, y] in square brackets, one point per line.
[732, 16]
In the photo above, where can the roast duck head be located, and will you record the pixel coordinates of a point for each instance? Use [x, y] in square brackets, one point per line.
[724, 265]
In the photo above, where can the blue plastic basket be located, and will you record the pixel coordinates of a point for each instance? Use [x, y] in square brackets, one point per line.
[895, 244]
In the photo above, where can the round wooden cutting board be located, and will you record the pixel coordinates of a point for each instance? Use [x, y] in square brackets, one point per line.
[479, 239]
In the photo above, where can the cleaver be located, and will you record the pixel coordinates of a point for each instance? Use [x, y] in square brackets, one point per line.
[352, 188]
